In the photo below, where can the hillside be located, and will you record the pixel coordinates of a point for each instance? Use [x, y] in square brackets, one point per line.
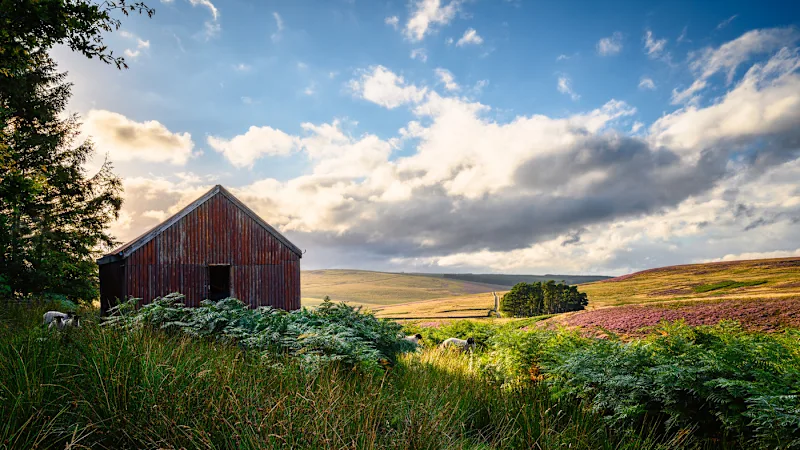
[382, 288]
[511, 280]
[753, 279]
[463, 306]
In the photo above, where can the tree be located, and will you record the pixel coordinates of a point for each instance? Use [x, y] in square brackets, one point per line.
[533, 299]
[53, 215]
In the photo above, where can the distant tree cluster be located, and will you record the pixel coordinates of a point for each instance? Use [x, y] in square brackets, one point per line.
[534, 299]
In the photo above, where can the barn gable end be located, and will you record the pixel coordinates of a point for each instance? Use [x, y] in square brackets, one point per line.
[214, 247]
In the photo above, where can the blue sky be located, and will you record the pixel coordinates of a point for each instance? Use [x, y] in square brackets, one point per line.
[511, 136]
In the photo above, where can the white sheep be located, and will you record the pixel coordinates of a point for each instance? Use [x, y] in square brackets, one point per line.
[460, 344]
[415, 338]
[61, 320]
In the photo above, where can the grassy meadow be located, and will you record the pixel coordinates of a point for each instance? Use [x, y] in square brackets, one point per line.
[362, 287]
[111, 388]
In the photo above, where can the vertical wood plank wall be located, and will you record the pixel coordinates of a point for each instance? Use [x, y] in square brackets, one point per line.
[264, 272]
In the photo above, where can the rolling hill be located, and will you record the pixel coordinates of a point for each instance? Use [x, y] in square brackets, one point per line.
[363, 287]
[752, 279]
[511, 280]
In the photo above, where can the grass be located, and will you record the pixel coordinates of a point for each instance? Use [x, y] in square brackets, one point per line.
[755, 279]
[727, 284]
[361, 287]
[474, 305]
[102, 388]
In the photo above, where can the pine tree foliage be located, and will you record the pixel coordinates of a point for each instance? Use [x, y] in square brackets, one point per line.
[53, 214]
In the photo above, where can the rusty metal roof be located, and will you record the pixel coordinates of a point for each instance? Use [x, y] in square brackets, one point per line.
[130, 247]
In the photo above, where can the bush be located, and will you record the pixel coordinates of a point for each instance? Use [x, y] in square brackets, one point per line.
[721, 380]
[332, 332]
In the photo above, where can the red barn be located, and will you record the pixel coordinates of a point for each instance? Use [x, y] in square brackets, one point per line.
[214, 248]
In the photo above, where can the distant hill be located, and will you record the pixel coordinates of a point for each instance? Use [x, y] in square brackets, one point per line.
[382, 288]
[511, 280]
[752, 279]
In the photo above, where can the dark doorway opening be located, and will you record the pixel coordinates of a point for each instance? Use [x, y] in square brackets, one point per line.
[219, 282]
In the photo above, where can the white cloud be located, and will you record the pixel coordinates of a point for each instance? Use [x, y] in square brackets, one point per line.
[647, 84]
[392, 21]
[420, 54]
[427, 13]
[449, 41]
[726, 22]
[447, 79]
[301, 65]
[141, 44]
[730, 55]
[385, 88]
[126, 140]
[757, 255]
[653, 47]
[211, 27]
[242, 67]
[470, 37]
[565, 87]
[277, 34]
[562, 57]
[243, 150]
[586, 192]
[766, 101]
[610, 45]
[311, 89]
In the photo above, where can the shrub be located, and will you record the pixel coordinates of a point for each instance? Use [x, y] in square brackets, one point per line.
[332, 332]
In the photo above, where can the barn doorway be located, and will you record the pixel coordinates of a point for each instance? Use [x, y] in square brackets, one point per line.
[219, 282]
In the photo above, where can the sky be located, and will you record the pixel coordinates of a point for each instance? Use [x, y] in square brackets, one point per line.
[463, 136]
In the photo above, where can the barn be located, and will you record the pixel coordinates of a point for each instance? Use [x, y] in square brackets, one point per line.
[214, 248]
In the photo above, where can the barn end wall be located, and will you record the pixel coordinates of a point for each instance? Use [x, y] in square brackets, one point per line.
[264, 271]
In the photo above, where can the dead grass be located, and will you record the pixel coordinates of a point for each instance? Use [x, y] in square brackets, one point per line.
[475, 305]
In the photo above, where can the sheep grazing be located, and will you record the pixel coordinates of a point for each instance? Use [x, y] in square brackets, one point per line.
[415, 338]
[460, 344]
[61, 320]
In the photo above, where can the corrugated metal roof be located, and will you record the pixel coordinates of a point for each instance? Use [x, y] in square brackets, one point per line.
[130, 247]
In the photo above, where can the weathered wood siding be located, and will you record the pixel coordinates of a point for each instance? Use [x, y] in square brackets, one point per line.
[264, 271]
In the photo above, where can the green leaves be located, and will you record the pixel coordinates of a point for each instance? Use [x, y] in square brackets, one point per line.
[334, 332]
[54, 216]
[534, 299]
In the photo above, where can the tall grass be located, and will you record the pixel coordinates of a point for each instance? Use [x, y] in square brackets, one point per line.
[97, 387]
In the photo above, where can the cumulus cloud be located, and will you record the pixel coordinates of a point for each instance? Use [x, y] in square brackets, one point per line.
[380, 85]
[571, 193]
[427, 14]
[565, 87]
[243, 150]
[729, 56]
[124, 139]
[447, 79]
[609, 45]
[470, 37]
[647, 84]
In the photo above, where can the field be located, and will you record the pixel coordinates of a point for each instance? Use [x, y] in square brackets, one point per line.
[740, 280]
[361, 287]
[462, 306]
